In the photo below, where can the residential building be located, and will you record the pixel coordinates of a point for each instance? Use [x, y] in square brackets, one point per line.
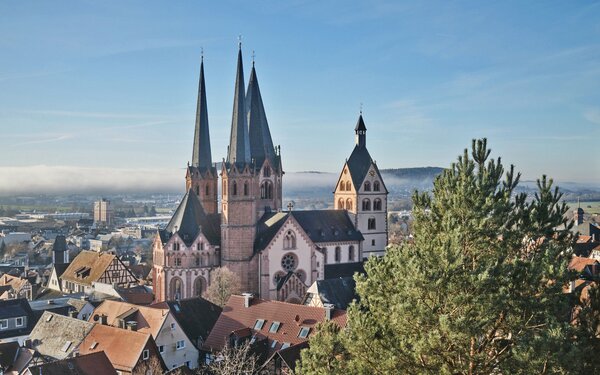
[175, 348]
[88, 364]
[12, 287]
[16, 320]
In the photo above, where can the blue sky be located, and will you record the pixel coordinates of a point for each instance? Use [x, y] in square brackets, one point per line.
[111, 85]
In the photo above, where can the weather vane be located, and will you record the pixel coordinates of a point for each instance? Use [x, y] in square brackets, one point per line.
[240, 40]
[361, 108]
[202, 53]
[253, 55]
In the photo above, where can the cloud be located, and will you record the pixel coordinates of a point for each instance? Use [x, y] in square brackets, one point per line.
[43, 179]
[45, 140]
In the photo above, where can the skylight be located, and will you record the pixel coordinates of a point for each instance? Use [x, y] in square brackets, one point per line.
[274, 344]
[66, 346]
[304, 331]
[285, 345]
[259, 324]
[274, 327]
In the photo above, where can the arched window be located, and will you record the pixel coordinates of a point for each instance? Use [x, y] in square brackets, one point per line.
[348, 186]
[234, 188]
[338, 254]
[367, 186]
[366, 204]
[289, 242]
[341, 203]
[207, 189]
[324, 249]
[199, 286]
[351, 253]
[197, 259]
[343, 186]
[377, 204]
[197, 190]
[349, 204]
[176, 288]
[376, 186]
[371, 223]
[266, 190]
[224, 187]
[246, 188]
[267, 171]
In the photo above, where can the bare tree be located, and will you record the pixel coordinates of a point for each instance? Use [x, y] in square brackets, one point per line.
[234, 361]
[150, 366]
[223, 284]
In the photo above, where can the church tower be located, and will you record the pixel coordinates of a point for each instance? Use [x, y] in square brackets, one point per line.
[201, 176]
[361, 191]
[239, 189]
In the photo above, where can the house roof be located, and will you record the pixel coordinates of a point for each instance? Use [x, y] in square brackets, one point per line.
[337, 270]
[88, 267]
[190, 219]
[579, 263]
[289, 356]
[292, 318]
[17, 283]
[320, 226]
[339, 292]
[149, 320]
[8, 354]
[196, 316]
[88, 364]
[57, 336]
[122, 347]
[13, 308]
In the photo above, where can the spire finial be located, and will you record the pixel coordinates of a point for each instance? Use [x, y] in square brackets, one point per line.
[361, 105]
[253, 56]
[240, 41]
[202, 54]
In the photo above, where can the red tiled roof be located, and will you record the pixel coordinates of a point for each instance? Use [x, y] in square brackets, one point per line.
[584, 239]
[236, 316]
[148, 319]
[579, 263]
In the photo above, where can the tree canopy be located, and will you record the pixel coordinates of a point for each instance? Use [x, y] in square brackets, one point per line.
[478, 290]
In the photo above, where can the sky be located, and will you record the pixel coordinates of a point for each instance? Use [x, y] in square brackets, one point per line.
[103, 93]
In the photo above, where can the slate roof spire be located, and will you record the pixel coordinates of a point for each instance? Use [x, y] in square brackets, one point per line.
[188, 218]
[261, 143]
[239, 144]
[201, 155]
[361, 132]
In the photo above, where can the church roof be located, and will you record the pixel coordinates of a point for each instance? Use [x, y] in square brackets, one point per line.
[359, 163]
[261, 143]
[201, 155]
[320, 226]
[239, 143]
[360, 124]
[190, 219]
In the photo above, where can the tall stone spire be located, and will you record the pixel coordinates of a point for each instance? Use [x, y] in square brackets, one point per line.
[201, 155]
[239, 144]
[261, 144]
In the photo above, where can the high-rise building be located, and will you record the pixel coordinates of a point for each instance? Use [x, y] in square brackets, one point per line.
[102, 212]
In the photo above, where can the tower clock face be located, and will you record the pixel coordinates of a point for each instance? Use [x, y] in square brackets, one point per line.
[372, 173]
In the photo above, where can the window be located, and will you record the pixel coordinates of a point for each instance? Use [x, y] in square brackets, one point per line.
[176, 246]
[367, 186]
[377, 205]
[177, 262]
[267, 171]
[198, 286]
[4, 323]
[266, 190]
[338, 254]
[207, 189]
[304, 331]
[351, 253]
[246, 188]
[19, 321]
[349, 204]
[197, 261]
[285, 345]
[348, 186]
[343, 186]
[274, 344]
[234, 192]
[145, 354]
[259, 324]
[289, 242]
[197, 190]
[161, 349]
[274, 327]
[376, 186]
[180, 344]
[288, 262]
[371, 223]
[187, 363]
[372, 242]
[200, 246]
[341, 204]
[172, 326]
[366, 205]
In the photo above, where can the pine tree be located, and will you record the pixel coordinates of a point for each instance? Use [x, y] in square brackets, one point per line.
[479, 291]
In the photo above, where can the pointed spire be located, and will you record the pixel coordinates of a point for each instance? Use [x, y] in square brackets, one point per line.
[201, 155]
[361, 132]
[261, 144]
[239, 144]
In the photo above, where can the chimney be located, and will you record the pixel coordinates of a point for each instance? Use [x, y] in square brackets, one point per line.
[328, 310]
[247, 299]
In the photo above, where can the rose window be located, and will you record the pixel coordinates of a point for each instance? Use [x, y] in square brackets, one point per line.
[288, 262]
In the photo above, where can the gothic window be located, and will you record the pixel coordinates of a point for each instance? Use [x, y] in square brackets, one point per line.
[197, 190]
[267, 171]
[367, 186]
[289, 242]
[371, 223]
[351, 253]
[176, 288]
[338, 254]
[348, 186]
[377, 205]
[266, 190]
[301, 275]
[349, 204]
[246, 188]
[289, 262]
[341, 204]
[200, 246]
[376, 186]
[278, 276]
[197, 261]
[224, 187]
[366, 205]
[176, 246]
[177, 262]
[234, 188]
[324, 255]
[207, 189]
[342, 186]
[198, 286]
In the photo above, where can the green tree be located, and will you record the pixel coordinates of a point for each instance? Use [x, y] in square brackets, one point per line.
[479, 291]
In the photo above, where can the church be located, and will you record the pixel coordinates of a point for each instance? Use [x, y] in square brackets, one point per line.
[276, 251]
